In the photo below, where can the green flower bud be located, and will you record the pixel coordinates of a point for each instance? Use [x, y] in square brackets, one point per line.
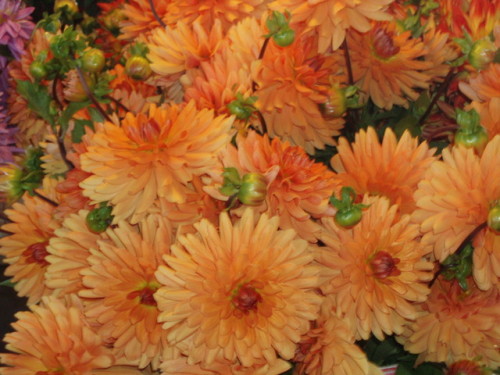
[253, 189]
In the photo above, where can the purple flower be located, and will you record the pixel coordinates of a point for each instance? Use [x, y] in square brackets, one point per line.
[7, 141]
[15, 25]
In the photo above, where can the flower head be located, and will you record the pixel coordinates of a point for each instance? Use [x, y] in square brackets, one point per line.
[25, 249]
[330, 19]
[387, 64]
[390, 168]
[456, 324]
[376, 270]
[243, 291]
[54, 338]
[139, 19]
[454, 198]
[152, 155]
[15, 26]
[119, 289]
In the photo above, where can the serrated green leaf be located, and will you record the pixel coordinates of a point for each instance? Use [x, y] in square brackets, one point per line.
[95, 115]
[38, 99]
[79, 130]
[7, 283]
[68, 113]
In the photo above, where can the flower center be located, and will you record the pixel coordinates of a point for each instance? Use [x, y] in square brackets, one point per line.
[145, 295]
[246, 298]
[36, 253]
[384, 265]
[383, 44]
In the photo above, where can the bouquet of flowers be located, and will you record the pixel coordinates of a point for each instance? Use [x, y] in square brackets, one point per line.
[252, 187]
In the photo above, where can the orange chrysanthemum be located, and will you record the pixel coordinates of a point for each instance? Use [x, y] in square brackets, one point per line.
[375, 271]
[456, 324]
[68, 251]
[140, 19]
[292, 82]
[208, 12]
[120, 283]
[72, 199]
[54, 338]
[329, 19]
[176, 49]
[439, 52]
[484, 90]
[246, 39]
[454, 198]
[152, 155]
[329, 348]
[392, 168]
[241, 292]
[25, 248]
[387, 64]
[298, 189]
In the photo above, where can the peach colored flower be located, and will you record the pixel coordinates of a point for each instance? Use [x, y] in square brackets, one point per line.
[456, 324]
[375, 271]
[453, 199]
[119, 286]
[139, 17]
[390, 168]
[242, 291]
[152, 155]
[330, 19]
[388, 64]
[25, 247]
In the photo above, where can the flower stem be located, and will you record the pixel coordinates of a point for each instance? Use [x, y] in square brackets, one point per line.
[155, 14]
[44, 198]
[118, 103]
[347, 58]
[261, 56]
[54, 92]
[441, 90]
[90, 95]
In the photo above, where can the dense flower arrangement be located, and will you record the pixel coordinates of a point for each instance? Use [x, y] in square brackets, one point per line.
[252, 187]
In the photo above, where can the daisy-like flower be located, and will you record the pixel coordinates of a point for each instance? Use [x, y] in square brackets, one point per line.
[455, 325]
[120, 284]
[72, 200]
[292, 82]
[390, 168]
[15, 26]
[484, 91]
[245, 39]
[329, 348]
[152, 155]
[454, 198]
[7, 141]
[54, 338]
[208, 12]
[376, 270]
[241, 292]
[68, 251]
[25, 248]
[387, 64]
[176, 49]
[139, 19]
[330, 19]
[298, 189]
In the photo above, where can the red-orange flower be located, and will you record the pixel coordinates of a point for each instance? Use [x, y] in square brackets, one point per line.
[454, 199]
[120, 284]
[376, 270]
[390, 168]
[25, 248]
[456, 324]
[152, 155]
[240, 292]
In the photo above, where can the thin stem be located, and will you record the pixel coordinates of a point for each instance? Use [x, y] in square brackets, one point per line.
[87, 90]
[262, 122]
[64, 154]
[347, 58]
[118, 103]
[441, 90]
[54, 92]
[44, 198]
[157, 17]
[461, 248]
[261, 56]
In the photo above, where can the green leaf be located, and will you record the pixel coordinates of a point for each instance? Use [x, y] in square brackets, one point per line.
[68, 113]
[38, 99]
[79, 130]
[95, 115]
[404, 369]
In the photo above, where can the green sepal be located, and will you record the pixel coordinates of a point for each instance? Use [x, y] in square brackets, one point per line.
[469, 121]
[99, 219]
[8, 283]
